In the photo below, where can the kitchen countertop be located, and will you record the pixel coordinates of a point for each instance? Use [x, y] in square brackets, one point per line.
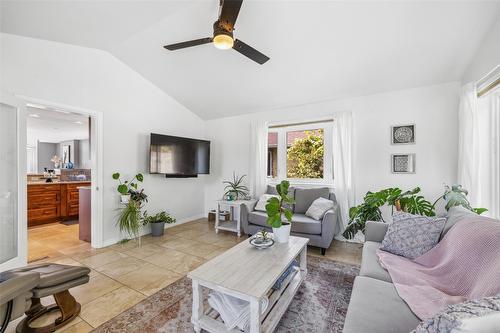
[57, 182]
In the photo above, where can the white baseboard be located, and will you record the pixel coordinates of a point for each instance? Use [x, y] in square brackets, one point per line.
[145, 231]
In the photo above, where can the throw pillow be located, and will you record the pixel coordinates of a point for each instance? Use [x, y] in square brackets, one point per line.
[411, 235]
[474, 316]
[318, 208]
[261, 204]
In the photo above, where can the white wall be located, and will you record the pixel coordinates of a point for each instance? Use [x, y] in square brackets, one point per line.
[132, 107]
[433, 109]
[487, 55]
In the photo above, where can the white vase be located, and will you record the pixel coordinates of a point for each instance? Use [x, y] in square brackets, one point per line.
[282, 234]
[124, 198]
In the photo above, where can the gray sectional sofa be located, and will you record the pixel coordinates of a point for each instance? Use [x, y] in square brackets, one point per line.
[320, 233]
[375, 305]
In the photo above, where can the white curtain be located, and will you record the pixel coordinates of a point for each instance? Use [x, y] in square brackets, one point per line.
[258, 157]
[342, 164]
[479, 148]
[488, 163]
[468, 142]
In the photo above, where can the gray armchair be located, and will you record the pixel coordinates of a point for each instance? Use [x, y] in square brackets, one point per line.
[319, 232]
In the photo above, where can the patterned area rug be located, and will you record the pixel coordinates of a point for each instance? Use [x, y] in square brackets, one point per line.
[320, 304]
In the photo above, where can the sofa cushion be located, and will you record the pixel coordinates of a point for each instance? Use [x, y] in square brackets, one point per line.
[300, 223]
[305, 225]
[376, 307]
[304, 197]
[261, 204]
[370, 265]
[318, 208]
[455, 214]
[411, 235]
[271, 189]
[258, 218]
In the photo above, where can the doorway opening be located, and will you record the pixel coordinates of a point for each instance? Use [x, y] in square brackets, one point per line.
[62, 181]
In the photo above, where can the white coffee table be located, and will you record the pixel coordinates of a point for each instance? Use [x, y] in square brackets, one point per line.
[234, 223]
[249, 273]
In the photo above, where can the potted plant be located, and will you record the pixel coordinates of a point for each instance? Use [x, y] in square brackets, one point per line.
[275, 209]
[129, 219]
[235, 189]
[157, 222]
[128, 188]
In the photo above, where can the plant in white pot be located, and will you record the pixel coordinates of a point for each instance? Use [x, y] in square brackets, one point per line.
[276, 209]
[126, 188]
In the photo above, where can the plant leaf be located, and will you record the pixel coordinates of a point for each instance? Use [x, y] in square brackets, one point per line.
[122, 189]
[139, 177]
[116, 175]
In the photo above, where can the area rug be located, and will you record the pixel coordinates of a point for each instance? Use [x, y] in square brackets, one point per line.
[320, 304]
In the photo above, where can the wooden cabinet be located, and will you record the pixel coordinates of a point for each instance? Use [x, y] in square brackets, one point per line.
[49, 203]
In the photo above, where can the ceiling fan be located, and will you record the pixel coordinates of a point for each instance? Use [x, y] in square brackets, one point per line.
[223, 34]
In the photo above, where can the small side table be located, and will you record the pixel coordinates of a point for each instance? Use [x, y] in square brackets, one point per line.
[234, 223]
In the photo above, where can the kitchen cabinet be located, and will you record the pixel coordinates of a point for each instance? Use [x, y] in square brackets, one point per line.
[53, 202]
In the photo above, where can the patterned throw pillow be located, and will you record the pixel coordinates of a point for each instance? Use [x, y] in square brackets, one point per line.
[411, 236]
[475, 316]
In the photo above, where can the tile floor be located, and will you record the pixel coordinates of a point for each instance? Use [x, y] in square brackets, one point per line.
[123, 275]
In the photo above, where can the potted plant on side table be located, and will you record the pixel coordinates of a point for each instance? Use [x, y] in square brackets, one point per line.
[276, 208]
[157, 222]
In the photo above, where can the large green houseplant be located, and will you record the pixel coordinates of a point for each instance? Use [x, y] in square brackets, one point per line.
[276, 208]
[408, 201]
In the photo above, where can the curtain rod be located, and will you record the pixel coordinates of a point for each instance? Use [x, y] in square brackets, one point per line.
[303, 123]
[488, 88]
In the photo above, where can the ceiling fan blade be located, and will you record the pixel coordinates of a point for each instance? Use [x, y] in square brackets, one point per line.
[249, 52]
[229, 13]
[195, 42]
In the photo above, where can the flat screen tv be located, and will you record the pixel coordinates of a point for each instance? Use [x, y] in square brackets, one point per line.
[178, 157]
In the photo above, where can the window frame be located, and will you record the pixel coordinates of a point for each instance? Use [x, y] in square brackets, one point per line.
[327, 127]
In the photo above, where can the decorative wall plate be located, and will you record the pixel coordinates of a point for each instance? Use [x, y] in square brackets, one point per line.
[403, 134]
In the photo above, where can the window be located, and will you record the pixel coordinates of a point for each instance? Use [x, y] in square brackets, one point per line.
[301, 153]
[272, 154]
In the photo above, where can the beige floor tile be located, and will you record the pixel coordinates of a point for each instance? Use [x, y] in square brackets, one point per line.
[200, 249]
[106, 307]
[149, 279]
[191, 233]
[178, 243]
[121, 266]
[98, 285]
[80, 327]
[144, 251]
[101, 259]
[214, 254]
[176, 261]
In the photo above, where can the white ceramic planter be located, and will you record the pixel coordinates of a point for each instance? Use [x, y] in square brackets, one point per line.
[282, 234]
[124, 198]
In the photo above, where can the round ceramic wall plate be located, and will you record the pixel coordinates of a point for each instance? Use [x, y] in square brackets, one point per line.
[260, 243]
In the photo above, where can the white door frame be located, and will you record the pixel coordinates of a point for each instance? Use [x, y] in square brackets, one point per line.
[96, 153]
[22, 224]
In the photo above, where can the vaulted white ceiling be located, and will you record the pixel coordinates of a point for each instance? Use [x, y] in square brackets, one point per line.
[319, 50]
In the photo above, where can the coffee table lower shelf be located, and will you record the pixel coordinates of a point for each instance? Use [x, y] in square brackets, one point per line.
[279, 300]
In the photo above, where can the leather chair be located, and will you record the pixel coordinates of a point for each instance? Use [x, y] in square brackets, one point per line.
[15, 295]
[53, 280]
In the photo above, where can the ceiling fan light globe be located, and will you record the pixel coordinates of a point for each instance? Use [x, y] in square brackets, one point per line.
[223, 42]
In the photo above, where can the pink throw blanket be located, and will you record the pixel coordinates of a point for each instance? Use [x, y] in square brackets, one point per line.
[464, 265]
